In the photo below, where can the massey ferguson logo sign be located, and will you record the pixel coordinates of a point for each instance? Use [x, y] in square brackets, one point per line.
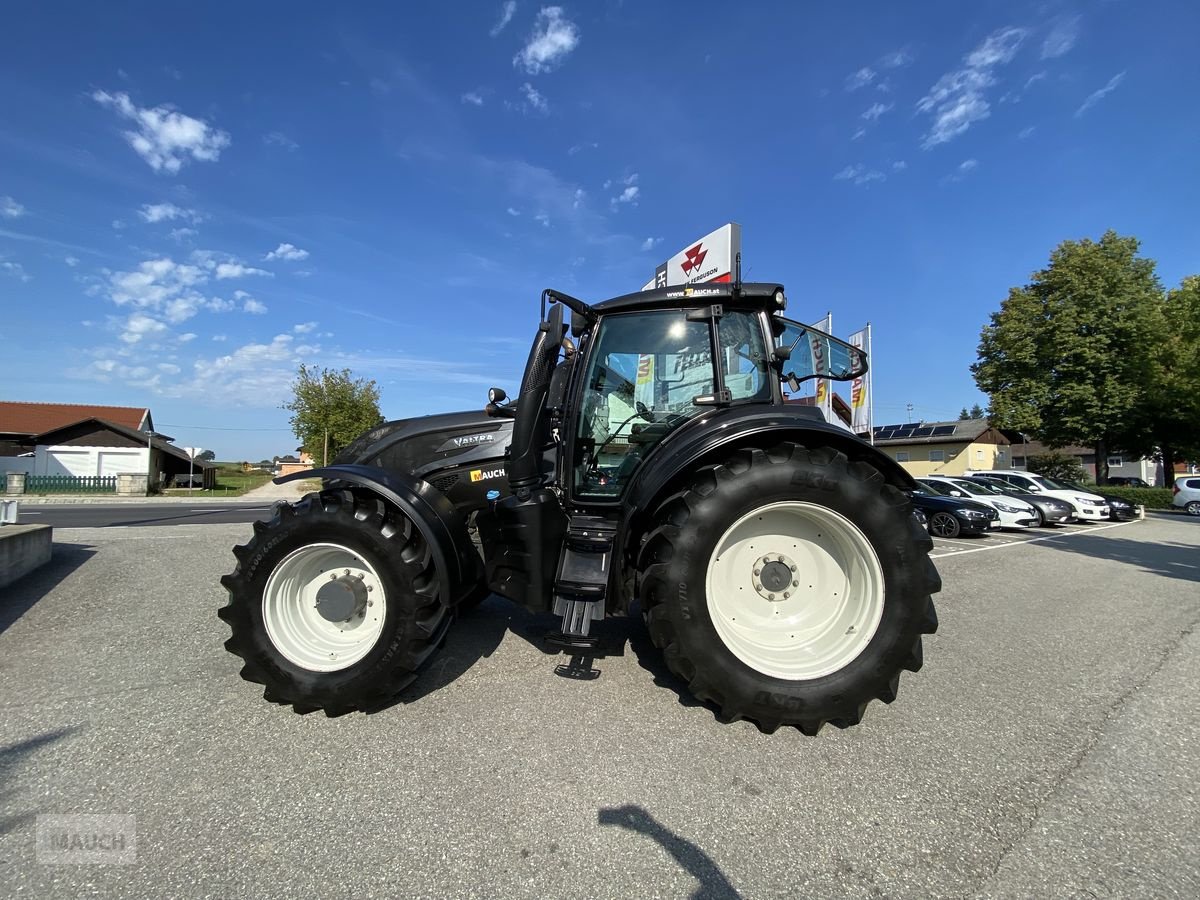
[694, 259]
[710, 258]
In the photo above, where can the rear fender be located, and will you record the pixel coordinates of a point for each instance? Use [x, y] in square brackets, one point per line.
[442, 526]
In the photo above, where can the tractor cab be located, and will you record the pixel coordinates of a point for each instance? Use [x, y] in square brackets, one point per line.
[593, 419]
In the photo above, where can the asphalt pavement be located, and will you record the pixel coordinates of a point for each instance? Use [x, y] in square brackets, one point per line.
[1048, 748]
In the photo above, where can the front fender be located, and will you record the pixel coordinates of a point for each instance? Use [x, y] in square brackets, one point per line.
[441, 525]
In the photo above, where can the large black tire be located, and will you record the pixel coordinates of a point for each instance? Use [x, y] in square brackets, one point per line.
[673, 571]
[415, 619]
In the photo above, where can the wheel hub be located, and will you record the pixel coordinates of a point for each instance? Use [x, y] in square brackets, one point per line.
[774, 577]
[342, 598]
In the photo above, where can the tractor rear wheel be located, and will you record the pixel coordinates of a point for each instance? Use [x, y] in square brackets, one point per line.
[334, 604]
[789, 587]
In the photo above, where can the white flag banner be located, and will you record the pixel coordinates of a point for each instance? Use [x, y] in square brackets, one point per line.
[820, 359]
[860, 410]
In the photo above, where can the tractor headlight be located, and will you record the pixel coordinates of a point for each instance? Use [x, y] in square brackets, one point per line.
[780, 300]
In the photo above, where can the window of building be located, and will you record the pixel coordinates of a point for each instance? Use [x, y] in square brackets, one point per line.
[978, 453]
[937, 455]
[1114, 461]
[901, 456]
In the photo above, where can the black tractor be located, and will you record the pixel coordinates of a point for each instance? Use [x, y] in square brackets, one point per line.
[650, 458]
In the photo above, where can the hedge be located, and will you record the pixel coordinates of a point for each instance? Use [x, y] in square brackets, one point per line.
[1151, 498]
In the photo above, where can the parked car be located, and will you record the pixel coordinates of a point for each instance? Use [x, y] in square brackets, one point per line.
[1119, 509]
[1051, 510]
[1088, 507]
[1014, 513]
[1186, 494]
[1128, 481]
[950, 517]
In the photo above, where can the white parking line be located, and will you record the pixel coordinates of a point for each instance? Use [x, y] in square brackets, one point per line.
[1048, 537]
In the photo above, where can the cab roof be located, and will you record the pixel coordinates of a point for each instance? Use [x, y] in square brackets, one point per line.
[758, 294]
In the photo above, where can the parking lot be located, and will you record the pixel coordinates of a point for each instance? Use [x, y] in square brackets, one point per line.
[992, 540]
[1048, 747]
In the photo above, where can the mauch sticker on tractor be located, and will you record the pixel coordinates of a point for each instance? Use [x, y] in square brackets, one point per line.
[486, 474]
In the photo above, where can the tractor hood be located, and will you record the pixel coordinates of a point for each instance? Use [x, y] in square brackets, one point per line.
[426, 444]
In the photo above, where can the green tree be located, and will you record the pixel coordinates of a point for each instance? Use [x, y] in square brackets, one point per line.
[330, 409]
[963, 414]
[1071, 356]
[1057, 465]
[206, 455]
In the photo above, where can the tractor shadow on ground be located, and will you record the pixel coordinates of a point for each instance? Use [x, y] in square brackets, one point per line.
[11, 756]
[20, 596]
[713, 883]
[1172, 559]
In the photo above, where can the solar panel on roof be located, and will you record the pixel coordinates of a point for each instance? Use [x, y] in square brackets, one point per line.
[906, 431]
[943, 430]
[923, 432]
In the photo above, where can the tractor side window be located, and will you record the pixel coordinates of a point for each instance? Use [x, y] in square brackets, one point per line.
[642, 376]
[744, 356]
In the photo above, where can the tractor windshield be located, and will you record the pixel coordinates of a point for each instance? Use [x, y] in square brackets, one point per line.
[643, 378]
[815, 354]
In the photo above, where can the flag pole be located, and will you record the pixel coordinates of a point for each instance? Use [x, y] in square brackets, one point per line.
[870, 391]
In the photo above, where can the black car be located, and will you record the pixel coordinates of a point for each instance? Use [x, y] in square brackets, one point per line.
[949, 516]
[1128, 481]
[1119, 510]
[1051, 510]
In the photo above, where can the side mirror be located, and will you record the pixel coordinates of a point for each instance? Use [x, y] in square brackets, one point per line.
[496, 395]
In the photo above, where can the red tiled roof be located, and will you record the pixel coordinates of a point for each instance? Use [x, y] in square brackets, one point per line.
[35, 418]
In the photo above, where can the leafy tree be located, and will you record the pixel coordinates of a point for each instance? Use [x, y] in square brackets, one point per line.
[1071, 356]
[978, 412]
[330, 409]
[206, 455]
[963, 415]
[1056, 464]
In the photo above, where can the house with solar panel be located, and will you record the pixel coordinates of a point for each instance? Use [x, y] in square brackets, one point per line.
[945, 448]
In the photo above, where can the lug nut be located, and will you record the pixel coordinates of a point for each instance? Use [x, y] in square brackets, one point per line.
[770, 596]
[757, 572]
[795, 584]
[793, 568]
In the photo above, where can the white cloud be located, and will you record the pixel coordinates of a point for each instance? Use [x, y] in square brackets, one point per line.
[288, 252]
[165, 138]
[156, 282]
[16, 270]
[10, 208]
[167, 212]
[959, 99]
[859, 133]
[304, 327]
[651, 242]
[71, 261]
[964, 168]
[859, 174]
[513, 212]
[1061, 39]
[1096, 96]
[876, 110]
[506, 14]
[629, 195]
[253, 306]
[140, 325]
[279, 139]
[860, 79]
[182, 234]
[580, 196]
[220, 338]
[899, 165]
[1026, 132]
[586, 145]
[473, 98]
[897, 59]
[187, 337]
[967, 165]
[552, 39]
[543, 219]
[237, 270]
[533, 98]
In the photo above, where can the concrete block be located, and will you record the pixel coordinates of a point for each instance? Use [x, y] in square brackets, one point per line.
[23, 548]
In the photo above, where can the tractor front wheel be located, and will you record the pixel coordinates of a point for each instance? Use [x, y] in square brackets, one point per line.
[334, 604]
[789, 586]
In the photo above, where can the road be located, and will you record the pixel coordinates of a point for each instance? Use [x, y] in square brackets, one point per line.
[101, 515]
[1047, 749]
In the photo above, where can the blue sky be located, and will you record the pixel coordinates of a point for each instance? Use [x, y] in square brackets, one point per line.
[195, 200]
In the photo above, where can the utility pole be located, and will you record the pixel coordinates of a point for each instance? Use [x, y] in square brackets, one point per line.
[325, 452]
[909, 407]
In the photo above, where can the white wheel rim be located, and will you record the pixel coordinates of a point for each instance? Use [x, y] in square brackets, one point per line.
[834, 598]
[292, 612]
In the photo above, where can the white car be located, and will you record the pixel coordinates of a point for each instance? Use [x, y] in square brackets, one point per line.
[1088, 507]
[1014, 513]
[1186, 494]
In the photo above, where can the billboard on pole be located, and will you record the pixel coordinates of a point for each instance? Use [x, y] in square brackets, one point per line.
[711, 258]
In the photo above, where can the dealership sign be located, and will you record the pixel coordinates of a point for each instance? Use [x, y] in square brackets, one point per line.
[712, 258]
